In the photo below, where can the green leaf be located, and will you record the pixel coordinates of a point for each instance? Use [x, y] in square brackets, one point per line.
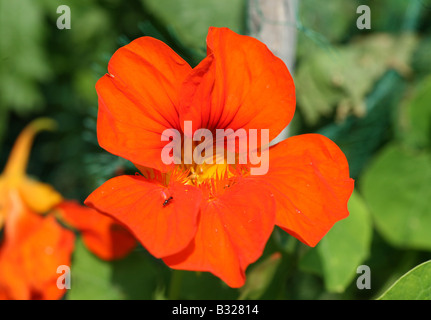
[22, 54]
[191, 19]
[260, 277]
[360, 138]
[326, 19]
[416, 115]
[311, 262]
[397, 190]
[90, 277]
[392, 15]
[414, 285]
[203, 286]
[346, 246]
[343, 249]
[421, 61]
[138, 276]
[338, 81]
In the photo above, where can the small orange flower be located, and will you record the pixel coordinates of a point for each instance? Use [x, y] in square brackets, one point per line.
[34, 244]
[213, 217]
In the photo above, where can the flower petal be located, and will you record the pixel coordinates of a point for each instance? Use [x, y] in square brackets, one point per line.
[240, 84]
[102, 235]
[28, 263]
[3, 201]
[40, 197]
[163, 226]
[309, 176]
[139, 99]
[14, 170]
[233, 230]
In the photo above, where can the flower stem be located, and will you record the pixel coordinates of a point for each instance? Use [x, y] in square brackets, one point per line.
[18, 158]
[175, 285]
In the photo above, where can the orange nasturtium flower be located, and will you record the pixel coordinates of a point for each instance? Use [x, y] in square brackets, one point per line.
[212, 217]
[33, 244]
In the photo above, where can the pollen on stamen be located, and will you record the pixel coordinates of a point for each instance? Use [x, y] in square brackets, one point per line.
[179, 175]
[216, 186]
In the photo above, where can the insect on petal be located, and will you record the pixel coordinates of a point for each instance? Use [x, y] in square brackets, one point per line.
[139, 204]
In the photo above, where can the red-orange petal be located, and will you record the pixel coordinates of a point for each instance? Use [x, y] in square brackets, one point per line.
[164, 226]
[309, 176]
[233, 230]
[139, 99]
[102, 235]
[241, 84]
[28, 263]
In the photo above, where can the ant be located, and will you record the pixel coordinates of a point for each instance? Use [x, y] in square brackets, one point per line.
[166, 202]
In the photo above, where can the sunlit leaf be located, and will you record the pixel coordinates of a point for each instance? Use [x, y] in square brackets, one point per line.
[414, 285]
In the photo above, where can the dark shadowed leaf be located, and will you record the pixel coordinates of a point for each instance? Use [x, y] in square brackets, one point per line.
[260, 277]
[138, 276]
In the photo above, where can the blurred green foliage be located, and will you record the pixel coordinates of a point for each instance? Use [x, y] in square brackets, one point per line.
[135, 277]
[22, 57]
[341, 78]
[190, 20]
[401, 174]
[368, 90]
